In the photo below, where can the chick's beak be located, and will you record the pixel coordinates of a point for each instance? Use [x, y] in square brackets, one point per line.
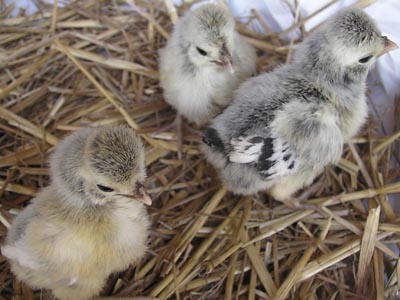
[227, 62]
[144, 197]
[226, 59]
[388, 45]
[140, 195]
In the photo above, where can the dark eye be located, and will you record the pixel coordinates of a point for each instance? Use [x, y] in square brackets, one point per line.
[104, 188]
[201, 51]
[365, 59]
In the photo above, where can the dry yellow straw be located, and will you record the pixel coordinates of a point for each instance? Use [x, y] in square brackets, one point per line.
[205, 242]
[368, 241]
[27, 126]
[258, 265]
[291, 280]
[188, 236]
[102, 90]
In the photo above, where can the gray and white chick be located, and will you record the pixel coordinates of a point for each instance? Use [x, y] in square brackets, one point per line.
[91, 220]
[284, 127]
[203, 62]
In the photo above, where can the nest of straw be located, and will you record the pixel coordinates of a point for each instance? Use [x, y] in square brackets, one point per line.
[94, 63]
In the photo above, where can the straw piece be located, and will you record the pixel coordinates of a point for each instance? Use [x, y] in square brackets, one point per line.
[81, 24]
[204, 215]
[112, 62]
[26, 75]
[171, 11]
[15, 157]
[230, 280]
[28, 126]
[201, 282]
[398, 274]
[361, 164]
[148, 17]
[155, 154]
[368, 193]
[208, 266]
[54, 17]
[353, 228]
[329, 259]
[34, 171]
[291, 43]
[262, 272]
[305, 19]
[119, 107]
[379, 277]
[17, 188]
[291, 279]
[280, 224]
[253, 278]
[348, 166]
[266, 46]
[42, 16]
[188, 236]
[10, 175]
[264, 25]
[170, 146]
[367, 246]
[4, 221]
[364, 3]
[386, 143]
[7, 10]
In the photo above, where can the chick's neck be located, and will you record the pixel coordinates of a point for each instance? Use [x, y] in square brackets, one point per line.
[344, 86]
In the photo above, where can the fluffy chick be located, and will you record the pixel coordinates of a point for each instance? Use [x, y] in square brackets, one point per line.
[203, 62]
[91, 221]
[284, 127]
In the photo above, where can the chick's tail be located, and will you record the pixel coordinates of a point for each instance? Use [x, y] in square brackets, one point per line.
[212, 139]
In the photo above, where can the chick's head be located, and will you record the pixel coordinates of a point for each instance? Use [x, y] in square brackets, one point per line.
[207, 35]
[114, 166]
[355, 40]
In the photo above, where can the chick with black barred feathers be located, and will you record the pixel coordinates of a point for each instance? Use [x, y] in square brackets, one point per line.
[203, 62]
[284, 127]
[91, 221]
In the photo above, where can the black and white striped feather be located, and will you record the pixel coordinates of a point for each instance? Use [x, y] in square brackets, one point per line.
[272, 157]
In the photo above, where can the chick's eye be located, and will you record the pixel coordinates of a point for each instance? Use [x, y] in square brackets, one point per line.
[104, 188]
[365, 59]
[201, 51]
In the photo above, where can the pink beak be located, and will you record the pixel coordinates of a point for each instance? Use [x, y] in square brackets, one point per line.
[226, 58]
[142, 196]
[388, 45]
[227, 62]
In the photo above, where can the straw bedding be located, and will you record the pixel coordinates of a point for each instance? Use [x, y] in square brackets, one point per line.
[95, 63]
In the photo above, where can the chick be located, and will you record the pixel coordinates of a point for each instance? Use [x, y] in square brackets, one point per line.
[91, 221]
[284, 127]
[203, 62]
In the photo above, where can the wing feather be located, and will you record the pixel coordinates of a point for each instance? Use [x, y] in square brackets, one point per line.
[21, 253]
[246, 149]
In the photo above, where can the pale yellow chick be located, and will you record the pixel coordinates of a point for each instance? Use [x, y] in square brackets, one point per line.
[90, 222]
